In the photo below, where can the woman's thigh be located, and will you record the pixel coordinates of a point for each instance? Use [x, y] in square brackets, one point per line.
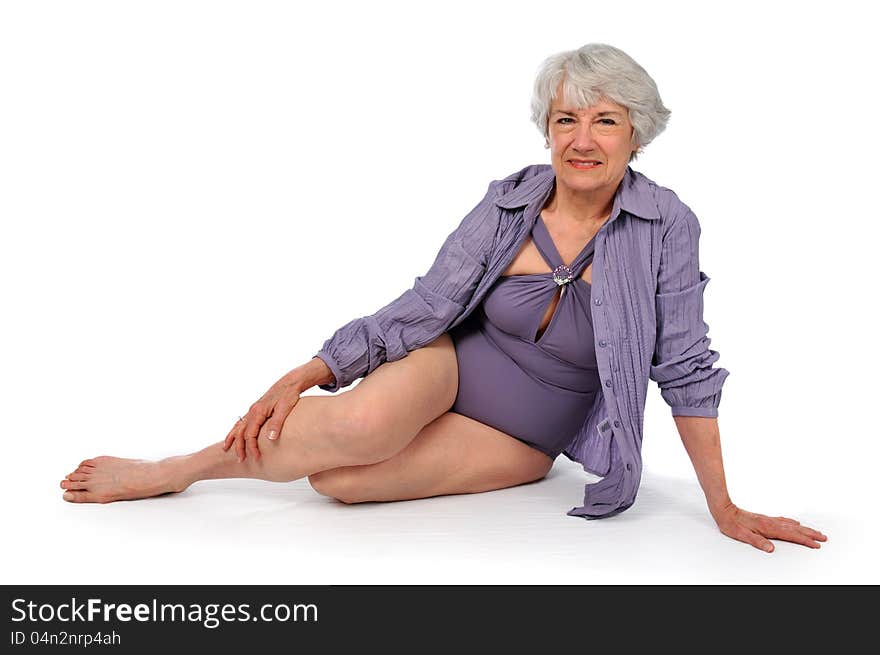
[453, 454]
[389, 407]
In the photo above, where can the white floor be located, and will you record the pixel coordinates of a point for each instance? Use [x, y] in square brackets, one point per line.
[247, 531]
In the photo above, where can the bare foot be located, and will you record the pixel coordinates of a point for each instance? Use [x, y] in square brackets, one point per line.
[107, 479]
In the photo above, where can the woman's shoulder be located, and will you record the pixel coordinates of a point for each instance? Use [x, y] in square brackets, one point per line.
[670, 208]
[518, 177]
[520, 186]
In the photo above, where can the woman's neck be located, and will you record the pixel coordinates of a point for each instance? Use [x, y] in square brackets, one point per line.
[579, 209]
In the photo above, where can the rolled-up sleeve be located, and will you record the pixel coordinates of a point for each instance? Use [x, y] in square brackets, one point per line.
[420, 314]
[683, 364]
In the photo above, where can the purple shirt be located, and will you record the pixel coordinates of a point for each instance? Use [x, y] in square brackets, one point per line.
[647, 311]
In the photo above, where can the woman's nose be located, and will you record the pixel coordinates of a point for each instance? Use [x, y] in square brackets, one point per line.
[583, 138]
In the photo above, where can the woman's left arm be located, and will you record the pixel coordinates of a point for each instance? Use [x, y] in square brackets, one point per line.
[702, 440]
[684, 368]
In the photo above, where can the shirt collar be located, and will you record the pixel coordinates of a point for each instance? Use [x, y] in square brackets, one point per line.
[634, 194]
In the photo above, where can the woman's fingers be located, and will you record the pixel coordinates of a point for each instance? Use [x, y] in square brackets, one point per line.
[794, 532]
[251, 446]
[751, 537]
[821, 535]
[230, 438]
[239, 444]
[238, 438]
[244, 433]
[807, 536]
[811, 533]
[803, 529]
[759, 529]
[256, 417]
[272, 428]
[235, 438]
[266, 417]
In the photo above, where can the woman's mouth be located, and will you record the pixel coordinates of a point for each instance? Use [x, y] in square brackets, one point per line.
[584, 165]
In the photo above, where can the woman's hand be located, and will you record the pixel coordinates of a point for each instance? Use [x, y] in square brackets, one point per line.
[265, 416]
[758, 529]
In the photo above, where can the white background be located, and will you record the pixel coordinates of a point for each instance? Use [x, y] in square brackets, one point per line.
[195, 195]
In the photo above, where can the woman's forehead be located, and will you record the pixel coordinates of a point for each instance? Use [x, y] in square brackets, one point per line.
[603, 108]
[559, 103]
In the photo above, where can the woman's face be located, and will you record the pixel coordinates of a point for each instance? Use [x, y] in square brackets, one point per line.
[601, 133]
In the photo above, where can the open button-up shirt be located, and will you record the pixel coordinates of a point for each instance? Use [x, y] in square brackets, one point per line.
[647, 311]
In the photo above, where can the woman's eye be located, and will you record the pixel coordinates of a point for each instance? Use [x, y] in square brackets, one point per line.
[610, 120]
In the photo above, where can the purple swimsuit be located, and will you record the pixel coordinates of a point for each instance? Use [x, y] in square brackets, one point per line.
[538, 390]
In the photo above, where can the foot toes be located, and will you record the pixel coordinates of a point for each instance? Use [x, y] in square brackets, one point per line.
[78, 477]
[85, 497]
[73, 484]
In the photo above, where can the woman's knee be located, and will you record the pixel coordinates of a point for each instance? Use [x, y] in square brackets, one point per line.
[373, 423]
[368, 432]
[336, 422]
[338, 483]
[367, 436]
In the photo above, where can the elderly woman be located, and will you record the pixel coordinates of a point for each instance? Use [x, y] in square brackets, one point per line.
[533, 334]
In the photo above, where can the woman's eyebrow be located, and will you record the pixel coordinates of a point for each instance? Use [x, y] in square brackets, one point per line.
[601, 113]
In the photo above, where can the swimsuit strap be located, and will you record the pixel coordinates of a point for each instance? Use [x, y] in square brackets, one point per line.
[544, 244]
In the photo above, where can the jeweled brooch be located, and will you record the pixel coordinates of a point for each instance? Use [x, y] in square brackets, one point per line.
[562, 275]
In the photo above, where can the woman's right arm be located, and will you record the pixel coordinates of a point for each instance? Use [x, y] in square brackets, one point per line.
[417, 317]
[420, 314]
[314, 372]
[683, 365]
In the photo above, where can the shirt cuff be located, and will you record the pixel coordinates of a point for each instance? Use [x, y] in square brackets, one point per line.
[709, 412]
[334, 367]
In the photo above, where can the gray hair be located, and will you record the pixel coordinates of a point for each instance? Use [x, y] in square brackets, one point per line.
[596, 71]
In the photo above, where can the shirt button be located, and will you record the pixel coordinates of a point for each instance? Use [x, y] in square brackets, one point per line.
[628, 466]
[617, 424]
[598, 301]
[607, 383]
[602, 344]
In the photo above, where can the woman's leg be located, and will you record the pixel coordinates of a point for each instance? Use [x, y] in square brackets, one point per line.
[453, 454]
[366, 425]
